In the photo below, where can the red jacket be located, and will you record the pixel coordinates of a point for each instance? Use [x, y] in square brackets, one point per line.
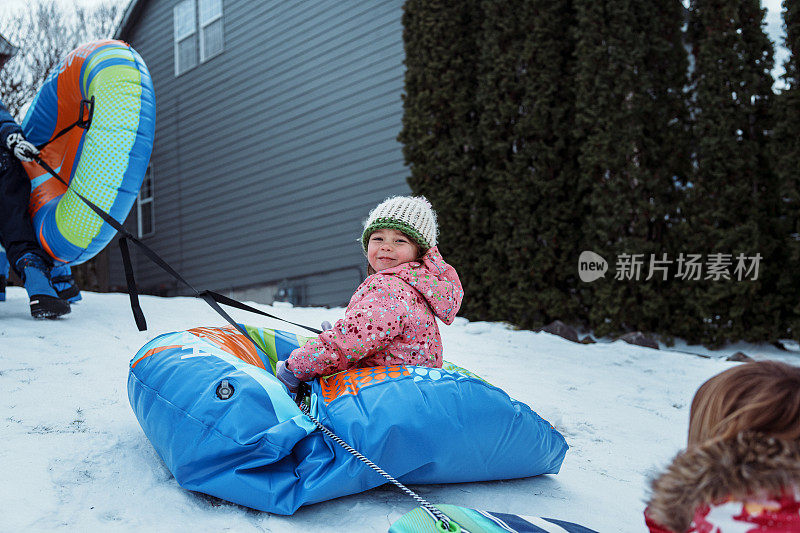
[748, 484]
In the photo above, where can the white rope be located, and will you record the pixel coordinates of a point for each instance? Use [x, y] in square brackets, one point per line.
[424, 503]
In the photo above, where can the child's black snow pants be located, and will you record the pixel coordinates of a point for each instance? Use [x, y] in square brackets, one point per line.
[16, 228]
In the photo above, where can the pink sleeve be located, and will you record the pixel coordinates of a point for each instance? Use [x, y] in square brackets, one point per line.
[368, 327]
[449, 291]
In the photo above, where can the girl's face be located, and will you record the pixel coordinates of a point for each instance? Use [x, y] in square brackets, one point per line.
[388, 248]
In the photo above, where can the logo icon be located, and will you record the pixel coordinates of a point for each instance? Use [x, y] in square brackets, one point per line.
[591, 266]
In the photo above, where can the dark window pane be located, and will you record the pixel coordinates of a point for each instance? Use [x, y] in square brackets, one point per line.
[147, 218]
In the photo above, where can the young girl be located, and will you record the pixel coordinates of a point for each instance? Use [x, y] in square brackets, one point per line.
[741, 469]
[391, 318]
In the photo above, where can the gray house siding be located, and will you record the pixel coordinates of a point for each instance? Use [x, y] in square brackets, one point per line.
[268, 157]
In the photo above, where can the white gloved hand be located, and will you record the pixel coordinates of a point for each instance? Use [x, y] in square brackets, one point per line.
[22, 149]
[326, 326]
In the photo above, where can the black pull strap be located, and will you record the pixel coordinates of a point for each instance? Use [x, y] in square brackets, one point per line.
[244, 307]
[133, 293]
[81, 122]
[210, 297]
[215, 306]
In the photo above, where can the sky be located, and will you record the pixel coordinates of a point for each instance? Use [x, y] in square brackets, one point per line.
[12, 6]
[7, 6]
[776, 34]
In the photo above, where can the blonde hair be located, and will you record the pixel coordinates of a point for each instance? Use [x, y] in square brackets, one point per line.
[761, 396]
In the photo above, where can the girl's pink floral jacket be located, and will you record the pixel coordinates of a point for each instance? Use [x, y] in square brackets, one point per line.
[390, 320]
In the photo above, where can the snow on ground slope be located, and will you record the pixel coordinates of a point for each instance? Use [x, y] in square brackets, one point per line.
[74, 457]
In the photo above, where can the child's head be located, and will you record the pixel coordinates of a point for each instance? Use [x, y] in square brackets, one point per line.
[400, 229]
[762, 397]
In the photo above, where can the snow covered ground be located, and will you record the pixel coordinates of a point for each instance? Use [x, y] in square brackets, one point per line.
[74, 458]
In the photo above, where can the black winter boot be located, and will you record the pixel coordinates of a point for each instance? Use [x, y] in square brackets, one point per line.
[44, 300]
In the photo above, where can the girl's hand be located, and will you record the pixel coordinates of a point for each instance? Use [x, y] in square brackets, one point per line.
[286, 376]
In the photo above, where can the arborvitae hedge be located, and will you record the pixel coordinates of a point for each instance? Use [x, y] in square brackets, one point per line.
[542, 129]
[630, 116]
[732, 206]
[786, 153]
[526, 97]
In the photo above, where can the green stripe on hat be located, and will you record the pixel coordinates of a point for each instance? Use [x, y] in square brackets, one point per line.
[398, 225]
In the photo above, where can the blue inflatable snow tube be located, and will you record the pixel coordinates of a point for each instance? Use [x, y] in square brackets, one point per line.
[211, 406]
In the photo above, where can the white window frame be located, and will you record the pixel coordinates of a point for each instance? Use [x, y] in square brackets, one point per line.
[205, 23]
[142, 202]
[198, 28]
[176, 38]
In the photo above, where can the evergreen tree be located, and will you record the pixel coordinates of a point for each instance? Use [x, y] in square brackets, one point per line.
[786, 152]
[526, 96]
[631, 121]
[733, 203]
[441, 143]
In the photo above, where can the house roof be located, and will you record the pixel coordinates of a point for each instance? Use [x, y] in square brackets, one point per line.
[129, 18]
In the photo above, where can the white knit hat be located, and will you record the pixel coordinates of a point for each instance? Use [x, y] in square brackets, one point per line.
[412, 215]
